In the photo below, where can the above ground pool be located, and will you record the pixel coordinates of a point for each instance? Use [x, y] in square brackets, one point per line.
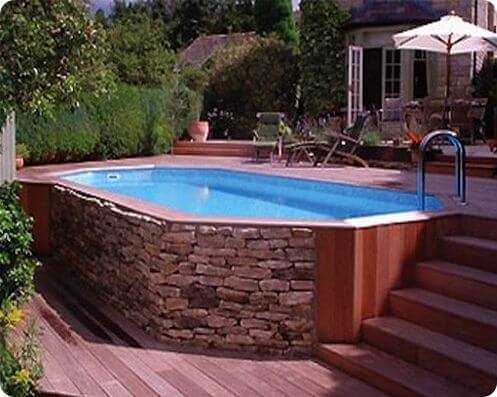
[235, 194]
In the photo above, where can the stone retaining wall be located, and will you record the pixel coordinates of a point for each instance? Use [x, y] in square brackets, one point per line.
[247, 288]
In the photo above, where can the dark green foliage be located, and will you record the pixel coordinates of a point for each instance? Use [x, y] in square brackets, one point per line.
[276, 16]
[8, 366]
[185, 20]
[256, 77]
[134, 121]
[322, 55]
[67, 135]
[139, 49]
[53, 51]
[17, 264]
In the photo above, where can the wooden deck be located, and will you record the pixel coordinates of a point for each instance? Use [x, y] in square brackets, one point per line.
[90, 350]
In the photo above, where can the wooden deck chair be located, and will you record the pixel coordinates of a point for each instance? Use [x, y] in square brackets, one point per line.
[345, 145]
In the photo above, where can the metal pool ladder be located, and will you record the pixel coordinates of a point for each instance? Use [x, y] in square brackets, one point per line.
[460, 165]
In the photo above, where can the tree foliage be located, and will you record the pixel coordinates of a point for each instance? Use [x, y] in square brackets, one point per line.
[140, 50]
[322, 55]
[185, 20]
[276, 16]
[259, 76]
[52, 51]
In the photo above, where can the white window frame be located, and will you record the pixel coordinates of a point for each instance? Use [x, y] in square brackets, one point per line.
[354, 83]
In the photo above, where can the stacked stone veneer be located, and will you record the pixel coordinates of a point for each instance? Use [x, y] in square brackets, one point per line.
[220, 286]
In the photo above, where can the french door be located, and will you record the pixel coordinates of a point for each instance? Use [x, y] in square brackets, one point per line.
[354, 83]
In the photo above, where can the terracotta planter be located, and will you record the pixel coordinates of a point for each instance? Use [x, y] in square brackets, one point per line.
[19, 163]
[199, 130]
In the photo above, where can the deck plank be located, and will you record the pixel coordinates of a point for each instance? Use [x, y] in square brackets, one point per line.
[78, 362]
[63, 355]
[129, 357]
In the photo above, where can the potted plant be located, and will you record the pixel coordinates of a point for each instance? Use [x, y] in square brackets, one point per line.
[414, 142]
[21, 154]
[198, 129]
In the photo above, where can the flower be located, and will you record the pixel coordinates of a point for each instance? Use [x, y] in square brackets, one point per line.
[21, 377]
[10, 317]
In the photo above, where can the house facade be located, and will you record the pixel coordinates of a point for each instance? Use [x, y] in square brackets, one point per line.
[379, 72]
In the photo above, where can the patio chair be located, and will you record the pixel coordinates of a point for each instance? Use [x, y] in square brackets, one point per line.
[268, 137]
[477, 115]
[337, 145]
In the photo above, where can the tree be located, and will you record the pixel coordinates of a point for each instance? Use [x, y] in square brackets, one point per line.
[322, 55]
[140, 49]
[260, 76]
[52, 51]
[276, 16]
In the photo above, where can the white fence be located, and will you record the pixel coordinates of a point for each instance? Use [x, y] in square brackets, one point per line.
[8, 150]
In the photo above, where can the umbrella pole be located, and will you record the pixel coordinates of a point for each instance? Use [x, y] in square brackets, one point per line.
[446, 115]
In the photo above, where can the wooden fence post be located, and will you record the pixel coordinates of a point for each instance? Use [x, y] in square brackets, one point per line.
[8, 150]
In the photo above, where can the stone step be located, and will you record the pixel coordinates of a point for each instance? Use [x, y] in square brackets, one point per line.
[455, 360]
[459, 282]
[388, 373]
[470, 251]
[464, 321]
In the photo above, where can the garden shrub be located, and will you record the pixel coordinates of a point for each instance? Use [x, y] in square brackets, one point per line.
[17, 264]
[134, 121]
[66, 135]
[20, 362]
[260, 76]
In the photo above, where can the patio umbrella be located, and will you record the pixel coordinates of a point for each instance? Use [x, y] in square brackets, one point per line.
[450, 35]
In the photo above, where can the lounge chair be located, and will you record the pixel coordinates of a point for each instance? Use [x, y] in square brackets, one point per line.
[337, 145]
[268, 137]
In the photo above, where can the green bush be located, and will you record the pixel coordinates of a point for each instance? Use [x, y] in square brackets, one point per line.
[17, 264]
[20, 364]
[372, 138]
[322, 56]
[66, 135]
[260, 76]
[134, 121]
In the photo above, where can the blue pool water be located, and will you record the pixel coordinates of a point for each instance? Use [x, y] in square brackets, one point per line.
[216, 192]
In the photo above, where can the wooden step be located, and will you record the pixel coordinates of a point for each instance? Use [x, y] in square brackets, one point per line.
[388, 373]
[458, 361]
[455, 318]
[459, 282]
[478, 170]
[477, 226]
[471, 251]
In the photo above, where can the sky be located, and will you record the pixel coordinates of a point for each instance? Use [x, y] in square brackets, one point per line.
[106, 4]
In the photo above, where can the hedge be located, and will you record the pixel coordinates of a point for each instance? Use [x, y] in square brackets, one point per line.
[134, 121]
[259, 76]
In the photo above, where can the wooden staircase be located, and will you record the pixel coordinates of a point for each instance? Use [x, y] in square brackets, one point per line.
[481, 167]
[440, 335]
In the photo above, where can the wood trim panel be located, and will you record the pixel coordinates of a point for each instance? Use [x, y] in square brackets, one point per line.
[357, 268]
[35, 201]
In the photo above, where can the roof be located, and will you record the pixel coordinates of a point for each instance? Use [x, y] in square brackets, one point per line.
[205, 47]
[394, 12]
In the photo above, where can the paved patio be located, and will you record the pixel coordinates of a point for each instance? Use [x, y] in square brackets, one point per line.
[482, 192]
[90, 350]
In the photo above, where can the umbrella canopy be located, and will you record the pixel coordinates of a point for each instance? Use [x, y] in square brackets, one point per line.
[450, 35]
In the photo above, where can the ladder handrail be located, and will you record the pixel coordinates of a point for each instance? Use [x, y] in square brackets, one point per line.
[460, 165]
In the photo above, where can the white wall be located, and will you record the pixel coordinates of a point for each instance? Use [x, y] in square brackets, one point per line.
[8, 150]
